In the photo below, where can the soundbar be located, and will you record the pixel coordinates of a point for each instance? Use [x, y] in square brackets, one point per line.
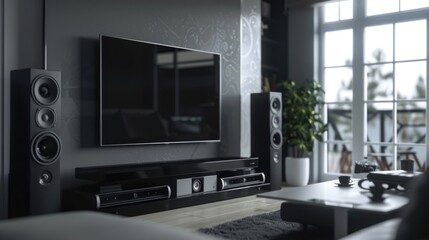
[120, 198]
[241, 180]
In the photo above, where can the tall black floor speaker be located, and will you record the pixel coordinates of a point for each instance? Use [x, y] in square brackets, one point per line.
[35, 146]
[266, 135]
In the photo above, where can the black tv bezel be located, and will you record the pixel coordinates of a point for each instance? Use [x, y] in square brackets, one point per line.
[158, 142]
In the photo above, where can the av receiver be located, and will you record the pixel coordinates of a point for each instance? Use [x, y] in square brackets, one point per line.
[241, 180]
[119, 198]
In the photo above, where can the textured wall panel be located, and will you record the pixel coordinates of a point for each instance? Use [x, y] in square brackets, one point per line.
[72, 30]
[250, 64]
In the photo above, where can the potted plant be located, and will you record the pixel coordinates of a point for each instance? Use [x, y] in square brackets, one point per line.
[302, 125]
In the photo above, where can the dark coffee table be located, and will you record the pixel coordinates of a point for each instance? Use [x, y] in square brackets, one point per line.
[340, 199]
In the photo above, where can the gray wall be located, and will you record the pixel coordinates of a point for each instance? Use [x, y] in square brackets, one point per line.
[301, 57]
[301, 44]
[22, 47]
[72, 36]
[72, 30]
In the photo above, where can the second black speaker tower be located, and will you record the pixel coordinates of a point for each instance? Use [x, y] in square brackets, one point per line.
[266, 135]
[35, 147]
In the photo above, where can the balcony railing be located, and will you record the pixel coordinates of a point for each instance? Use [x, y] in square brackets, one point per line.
[379, 139]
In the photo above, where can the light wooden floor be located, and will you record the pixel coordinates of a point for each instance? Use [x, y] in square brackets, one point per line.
[208, 215]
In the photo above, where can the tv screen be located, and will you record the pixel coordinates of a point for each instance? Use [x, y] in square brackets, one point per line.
[155, 94]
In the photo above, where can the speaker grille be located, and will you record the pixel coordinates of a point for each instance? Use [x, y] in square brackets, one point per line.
[46, 148]
[45, 90]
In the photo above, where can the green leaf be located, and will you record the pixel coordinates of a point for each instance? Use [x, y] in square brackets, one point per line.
[302, 123]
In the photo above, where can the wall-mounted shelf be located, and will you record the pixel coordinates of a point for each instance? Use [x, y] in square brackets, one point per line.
[273, 43]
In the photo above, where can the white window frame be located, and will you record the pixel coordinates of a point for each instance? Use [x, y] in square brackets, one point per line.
[358, 24]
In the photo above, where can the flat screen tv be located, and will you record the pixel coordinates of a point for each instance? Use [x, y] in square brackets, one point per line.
[157, 94]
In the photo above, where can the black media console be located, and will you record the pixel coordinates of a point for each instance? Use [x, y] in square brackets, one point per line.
[134, 189]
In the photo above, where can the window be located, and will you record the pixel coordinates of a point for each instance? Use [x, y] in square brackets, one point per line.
[377, 7]
[340, 10]
[373, 66]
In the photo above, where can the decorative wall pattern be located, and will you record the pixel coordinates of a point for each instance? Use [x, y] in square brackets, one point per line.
[250, 65]
[72, 30]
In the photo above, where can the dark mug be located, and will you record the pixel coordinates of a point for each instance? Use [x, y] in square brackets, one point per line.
[345, 180]
[407, 165]
[376, 191]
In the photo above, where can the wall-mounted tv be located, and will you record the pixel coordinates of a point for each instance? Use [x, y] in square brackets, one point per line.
[157, 94]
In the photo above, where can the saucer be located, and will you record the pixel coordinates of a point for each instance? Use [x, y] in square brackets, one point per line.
[344, 185]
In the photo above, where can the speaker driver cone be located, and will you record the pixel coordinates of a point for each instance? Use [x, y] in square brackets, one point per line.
[276, 139]
[46, 148]
[45, 178]
[276, 105]
[45, 118]
[197, 185]
[45, 90]
[275, 121]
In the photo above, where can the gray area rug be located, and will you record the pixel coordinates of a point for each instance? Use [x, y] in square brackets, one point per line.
[267, 226]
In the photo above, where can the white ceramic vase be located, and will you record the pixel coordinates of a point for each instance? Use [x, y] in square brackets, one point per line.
[297, 171]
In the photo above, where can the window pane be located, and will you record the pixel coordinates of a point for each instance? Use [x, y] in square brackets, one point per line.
[339, 122]
[381, 156]
[375, 7]
[410, 40]
[379, 44]
[331, 12]
[339, 158]
[416, 153]
[379, 82]
[379, 127]
[413, 4]
[393, 91]
[338, 48]
[411, 122]
[346, 9]
[338, 84]
[411, 80]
